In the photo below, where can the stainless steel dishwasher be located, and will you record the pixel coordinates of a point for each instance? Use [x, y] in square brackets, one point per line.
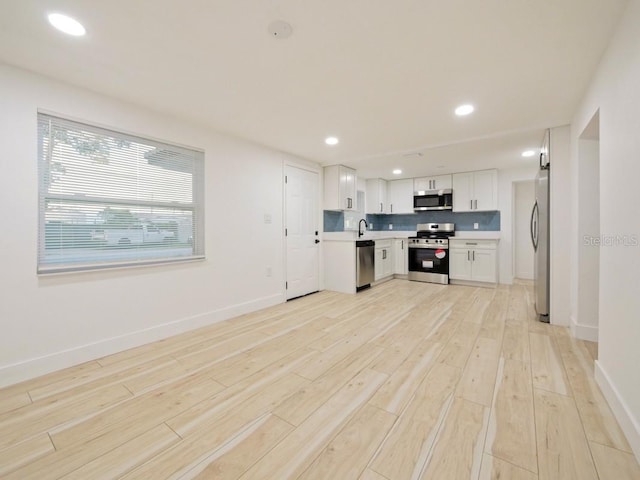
[365, 263]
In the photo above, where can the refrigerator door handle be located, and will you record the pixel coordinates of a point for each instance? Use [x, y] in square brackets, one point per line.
[534, 226]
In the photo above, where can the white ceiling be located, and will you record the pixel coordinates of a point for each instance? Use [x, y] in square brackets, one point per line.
[384, 76]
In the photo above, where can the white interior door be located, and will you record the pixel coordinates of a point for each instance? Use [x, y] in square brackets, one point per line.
[302, 231]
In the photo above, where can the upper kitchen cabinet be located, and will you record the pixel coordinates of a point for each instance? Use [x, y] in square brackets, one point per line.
[475, 191]
[400, 196]
[339, 188]
[439, 182]
[377, 196]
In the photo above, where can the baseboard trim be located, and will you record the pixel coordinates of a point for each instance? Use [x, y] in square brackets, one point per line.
[583, 332]
[35, 367]
[471, 283]
[620, 410]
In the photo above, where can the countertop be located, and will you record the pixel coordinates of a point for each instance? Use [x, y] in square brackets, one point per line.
[477, 235]
[352, 236]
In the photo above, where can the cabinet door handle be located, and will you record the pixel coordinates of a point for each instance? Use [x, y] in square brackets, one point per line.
[392, 208]
[380, 207]
[402, 245]
[474, 255]
[470, 204]
[468, 255]
[471, 243]
[476, 204]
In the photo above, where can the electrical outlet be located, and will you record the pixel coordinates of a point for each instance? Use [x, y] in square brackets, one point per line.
[371, 226]
[269, 272]
[267, 218]
[476, 226]
[391, 226]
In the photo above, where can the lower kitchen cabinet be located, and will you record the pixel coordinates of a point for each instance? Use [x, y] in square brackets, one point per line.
[400, 257]
[384, 259]
[473, 260]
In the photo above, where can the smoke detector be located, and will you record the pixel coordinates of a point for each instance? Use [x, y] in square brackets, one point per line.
[280, 29]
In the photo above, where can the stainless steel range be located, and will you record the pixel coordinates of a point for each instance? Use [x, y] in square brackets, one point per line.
[429, 252]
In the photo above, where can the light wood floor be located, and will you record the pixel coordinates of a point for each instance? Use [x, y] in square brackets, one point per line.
[404, 381]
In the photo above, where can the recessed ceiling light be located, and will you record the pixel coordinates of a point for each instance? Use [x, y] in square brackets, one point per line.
[331, 140]
[280, 29]
[528, 153]
[463, 110]
[66, 24]
[397, 171]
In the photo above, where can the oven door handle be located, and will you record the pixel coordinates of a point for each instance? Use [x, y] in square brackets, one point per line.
[443, 247]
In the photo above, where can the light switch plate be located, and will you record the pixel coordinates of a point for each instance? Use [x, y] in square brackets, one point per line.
[267, 218]
[391, 226]
[475, 226]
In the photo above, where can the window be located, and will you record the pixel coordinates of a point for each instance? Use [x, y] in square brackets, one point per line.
[109, 199]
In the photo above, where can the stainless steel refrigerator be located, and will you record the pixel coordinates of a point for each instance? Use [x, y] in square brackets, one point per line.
[540, 233]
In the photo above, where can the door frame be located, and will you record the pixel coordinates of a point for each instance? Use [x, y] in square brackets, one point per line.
[314, 168]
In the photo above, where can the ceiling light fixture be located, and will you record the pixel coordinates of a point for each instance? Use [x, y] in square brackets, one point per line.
[528, 153]
[66, 24]
[463, 110]
[331, 140]
[280, 29]
[397, 171]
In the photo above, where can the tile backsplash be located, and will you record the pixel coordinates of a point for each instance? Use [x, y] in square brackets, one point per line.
[333, 221]
[487, 221]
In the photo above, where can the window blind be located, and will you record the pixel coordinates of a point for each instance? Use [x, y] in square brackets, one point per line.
[109, 199]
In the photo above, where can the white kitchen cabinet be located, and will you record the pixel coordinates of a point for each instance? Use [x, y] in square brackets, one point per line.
[473, 260]
[339, 188]
[400, 257]
[484, 265]
[459, 264]
[376, 196]
[400, 196]
[438, 182]
[475, 191]
[383, 259]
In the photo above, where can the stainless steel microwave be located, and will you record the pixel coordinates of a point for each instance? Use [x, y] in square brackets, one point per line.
[433, 200]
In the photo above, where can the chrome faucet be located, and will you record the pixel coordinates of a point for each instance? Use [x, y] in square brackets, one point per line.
[366, 225]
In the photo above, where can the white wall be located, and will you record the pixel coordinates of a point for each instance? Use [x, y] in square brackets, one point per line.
[560, 199]
[506, 179]
[52, 322]
[614, 91]
[523, 200]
